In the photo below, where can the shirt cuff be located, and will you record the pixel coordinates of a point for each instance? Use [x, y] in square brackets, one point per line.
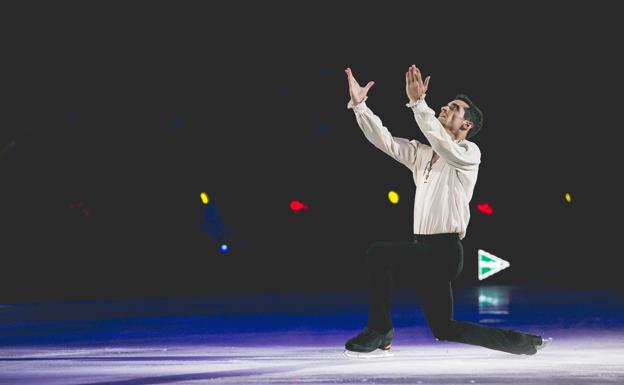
[357, 107]
[417, 102]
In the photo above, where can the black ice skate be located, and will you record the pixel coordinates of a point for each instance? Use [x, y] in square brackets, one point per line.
[367, 343]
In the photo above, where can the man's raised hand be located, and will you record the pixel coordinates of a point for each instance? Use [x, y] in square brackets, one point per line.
[415, 88]
[357, 93]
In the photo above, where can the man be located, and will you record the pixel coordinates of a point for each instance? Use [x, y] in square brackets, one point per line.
[445, 174]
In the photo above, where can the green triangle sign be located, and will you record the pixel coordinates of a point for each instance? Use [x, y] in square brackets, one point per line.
[490, 264]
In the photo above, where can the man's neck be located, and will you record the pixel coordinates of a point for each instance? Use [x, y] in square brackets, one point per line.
[456, 136]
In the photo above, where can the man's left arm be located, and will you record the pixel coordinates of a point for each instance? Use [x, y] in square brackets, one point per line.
[464, 155]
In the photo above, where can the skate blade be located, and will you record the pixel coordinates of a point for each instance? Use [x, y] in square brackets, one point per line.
[374, 354]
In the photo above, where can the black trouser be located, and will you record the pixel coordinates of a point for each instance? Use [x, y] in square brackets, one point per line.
[432, 262]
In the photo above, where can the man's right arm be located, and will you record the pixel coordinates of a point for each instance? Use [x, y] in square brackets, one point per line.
[400, 149]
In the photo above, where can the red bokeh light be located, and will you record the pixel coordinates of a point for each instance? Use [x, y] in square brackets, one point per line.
[485, 208]
[298, 206]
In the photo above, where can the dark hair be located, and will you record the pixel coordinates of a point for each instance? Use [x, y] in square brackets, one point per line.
[473, 114]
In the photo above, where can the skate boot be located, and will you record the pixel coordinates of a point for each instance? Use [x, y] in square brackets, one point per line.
[369, 341]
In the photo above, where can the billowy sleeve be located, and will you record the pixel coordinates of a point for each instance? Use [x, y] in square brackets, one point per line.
[400, 149]
[463, 155]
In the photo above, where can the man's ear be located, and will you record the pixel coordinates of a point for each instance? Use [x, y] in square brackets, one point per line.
[467, 125]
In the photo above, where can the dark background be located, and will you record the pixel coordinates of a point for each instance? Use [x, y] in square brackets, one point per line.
[133, 109]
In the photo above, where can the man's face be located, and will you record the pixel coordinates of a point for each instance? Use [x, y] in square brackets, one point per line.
[452, 115]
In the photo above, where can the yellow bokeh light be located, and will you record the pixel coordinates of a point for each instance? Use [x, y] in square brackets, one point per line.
[393, 196]
[204, 198]
[568, 198]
